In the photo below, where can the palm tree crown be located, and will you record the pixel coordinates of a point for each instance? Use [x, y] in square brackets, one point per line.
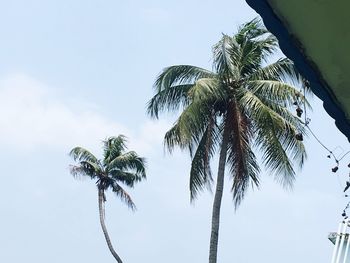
[242, 94]
[239, 108]
[116, 167]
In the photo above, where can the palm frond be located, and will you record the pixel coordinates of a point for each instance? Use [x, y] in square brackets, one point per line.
[253, 107]
[306, 86]
[250, 59]
[189, 126]
[179, 75]
[129, 161]
[275, 157]
[81, 154]
[251, 30]
[123, 195]
[127, 178]
[275, 129]
[207, 90]
[267, 46]
[291, 121]
[277, 91]
[254, 53]
[200, 174]
[226, 58]
[256, 44]
[281, 70]
[113, 147]
[85, 168]
[293, 147]
[169, 99]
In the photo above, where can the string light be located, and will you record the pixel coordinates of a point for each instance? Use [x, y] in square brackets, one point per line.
[331, 153]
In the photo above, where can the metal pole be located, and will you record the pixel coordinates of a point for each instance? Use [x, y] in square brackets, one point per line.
[340, 250]
[336, 244]
[347, 244]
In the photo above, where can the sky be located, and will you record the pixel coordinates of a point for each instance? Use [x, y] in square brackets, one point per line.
[73, 73]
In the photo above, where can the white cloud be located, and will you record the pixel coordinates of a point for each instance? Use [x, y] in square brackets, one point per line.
[151, 134]
[33, 115]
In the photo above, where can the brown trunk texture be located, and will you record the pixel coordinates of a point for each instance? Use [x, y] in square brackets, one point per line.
[104, 229]
[215, 221]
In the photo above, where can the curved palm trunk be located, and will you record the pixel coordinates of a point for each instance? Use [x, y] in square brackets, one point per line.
[101, 201]
[215, 221]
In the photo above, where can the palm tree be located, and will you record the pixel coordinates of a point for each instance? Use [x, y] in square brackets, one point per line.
[242, 104]
[116, 167]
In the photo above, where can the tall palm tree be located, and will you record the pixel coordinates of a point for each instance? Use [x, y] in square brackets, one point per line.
[242, 104]
[116, 167]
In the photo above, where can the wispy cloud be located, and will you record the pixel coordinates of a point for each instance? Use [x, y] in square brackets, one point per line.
[32, 116]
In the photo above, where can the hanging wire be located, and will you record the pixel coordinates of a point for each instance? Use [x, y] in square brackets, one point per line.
[331, 153]
[340, 183]
[345, 154]
[340, 148]
[319, 141]
[307, 122]
[344, 211]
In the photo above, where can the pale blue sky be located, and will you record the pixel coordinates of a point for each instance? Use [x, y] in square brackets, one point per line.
[75, 72]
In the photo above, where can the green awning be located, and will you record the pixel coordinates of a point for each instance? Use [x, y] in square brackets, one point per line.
[315, 34]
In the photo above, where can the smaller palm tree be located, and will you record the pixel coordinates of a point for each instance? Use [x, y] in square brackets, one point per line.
[117, 167]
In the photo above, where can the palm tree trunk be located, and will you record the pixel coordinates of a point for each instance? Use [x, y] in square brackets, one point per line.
[101, 201]
[215, 221]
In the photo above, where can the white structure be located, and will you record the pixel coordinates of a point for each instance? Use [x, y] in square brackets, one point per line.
[341, 243]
